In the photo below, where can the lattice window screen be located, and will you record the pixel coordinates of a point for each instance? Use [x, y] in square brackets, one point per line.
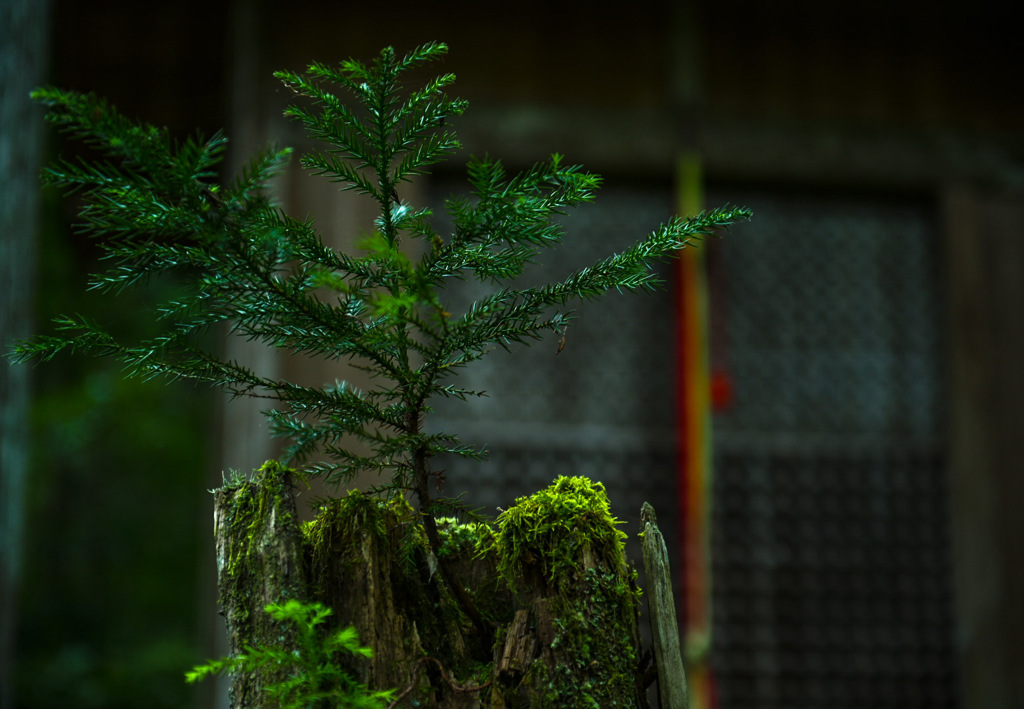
[830, 549]
[604, 406]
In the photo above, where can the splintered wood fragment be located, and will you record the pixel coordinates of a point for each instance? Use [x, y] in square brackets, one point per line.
[672, 689]
[518, 651]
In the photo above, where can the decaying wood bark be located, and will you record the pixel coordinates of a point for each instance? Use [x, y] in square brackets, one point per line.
[518, 650]
[574, 641]
[672, 690]
[563, 610]
[369, 564]
[361, 558]
[259, 561]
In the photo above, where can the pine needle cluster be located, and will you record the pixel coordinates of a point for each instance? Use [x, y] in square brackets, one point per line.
[160, 206]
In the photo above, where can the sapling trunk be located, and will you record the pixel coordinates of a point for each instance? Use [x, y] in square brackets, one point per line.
[421, 474]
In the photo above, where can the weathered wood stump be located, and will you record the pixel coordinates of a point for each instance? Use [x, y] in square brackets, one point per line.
[259, 561]
[550, 578]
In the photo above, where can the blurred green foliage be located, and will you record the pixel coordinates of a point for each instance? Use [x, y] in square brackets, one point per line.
[118, 516]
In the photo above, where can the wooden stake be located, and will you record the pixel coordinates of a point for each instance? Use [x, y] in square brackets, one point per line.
[672, 690]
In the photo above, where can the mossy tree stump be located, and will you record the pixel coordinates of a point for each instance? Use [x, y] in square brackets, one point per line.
[574, 641]
[259, 561]
[550, 578]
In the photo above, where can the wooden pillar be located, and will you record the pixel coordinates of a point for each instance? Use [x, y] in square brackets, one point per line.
[23, 51]
[985, 264]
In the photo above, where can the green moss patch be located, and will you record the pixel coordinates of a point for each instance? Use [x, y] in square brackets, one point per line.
[560, 530]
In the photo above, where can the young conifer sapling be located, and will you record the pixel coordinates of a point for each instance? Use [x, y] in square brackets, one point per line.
[159, 206]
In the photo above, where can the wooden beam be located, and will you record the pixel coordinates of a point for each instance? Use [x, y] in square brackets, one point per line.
[643, 142]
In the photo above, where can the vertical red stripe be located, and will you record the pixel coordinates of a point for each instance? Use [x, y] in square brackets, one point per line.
[693, 440]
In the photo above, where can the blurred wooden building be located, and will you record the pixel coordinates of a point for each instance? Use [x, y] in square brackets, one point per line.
[864, 334]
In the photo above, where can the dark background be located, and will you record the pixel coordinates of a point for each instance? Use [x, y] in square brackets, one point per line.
[828, 118]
